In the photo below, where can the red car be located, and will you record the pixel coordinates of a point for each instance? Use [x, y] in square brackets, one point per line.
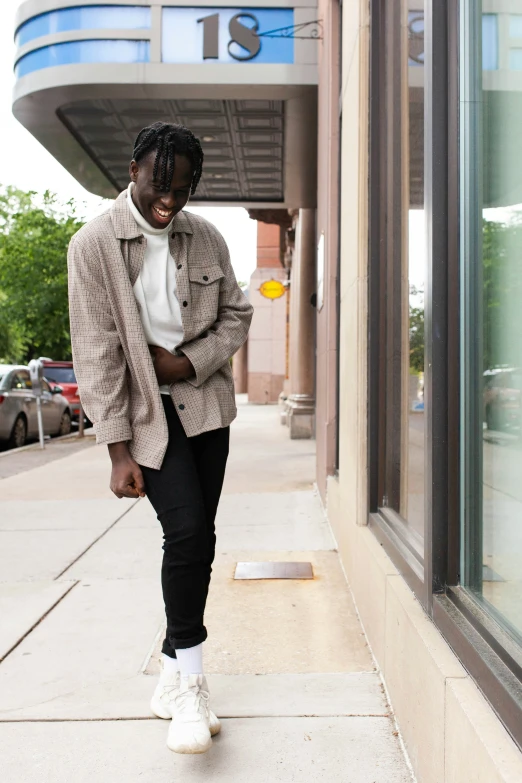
[62, 374]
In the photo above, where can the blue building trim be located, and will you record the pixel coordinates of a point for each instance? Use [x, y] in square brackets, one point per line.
[93, 17]
[83, 52]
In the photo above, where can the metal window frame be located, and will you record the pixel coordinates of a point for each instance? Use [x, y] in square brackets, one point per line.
[338, 275]
[490, 654]
[401, 543]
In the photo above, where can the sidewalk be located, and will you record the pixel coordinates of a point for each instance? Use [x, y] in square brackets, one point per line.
[81, 615]
[14, 461]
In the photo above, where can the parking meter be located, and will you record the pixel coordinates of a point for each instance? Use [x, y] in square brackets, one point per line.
[36, 374]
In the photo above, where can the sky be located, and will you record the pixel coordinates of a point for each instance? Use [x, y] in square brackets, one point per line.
[28, 166]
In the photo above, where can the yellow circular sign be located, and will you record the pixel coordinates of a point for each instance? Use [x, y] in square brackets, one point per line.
[272, 289]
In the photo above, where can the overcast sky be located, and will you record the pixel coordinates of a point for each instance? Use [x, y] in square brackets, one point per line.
[28, 166]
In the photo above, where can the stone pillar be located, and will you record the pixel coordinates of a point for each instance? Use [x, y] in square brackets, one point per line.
[240, 369]
[300, 406]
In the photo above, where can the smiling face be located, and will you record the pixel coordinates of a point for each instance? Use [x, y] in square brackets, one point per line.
[157, 206]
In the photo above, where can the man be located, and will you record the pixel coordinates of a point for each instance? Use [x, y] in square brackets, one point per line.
[156, 314]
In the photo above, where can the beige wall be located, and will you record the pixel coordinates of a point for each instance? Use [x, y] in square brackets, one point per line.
[267, 339]
[328, 224]
[266, 357]
[450, 731]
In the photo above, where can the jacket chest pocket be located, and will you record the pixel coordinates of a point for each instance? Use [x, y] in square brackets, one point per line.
[205, 284]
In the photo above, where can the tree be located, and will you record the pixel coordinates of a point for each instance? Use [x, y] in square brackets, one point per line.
[502, 292]
[34, 236]
[11, 343]
[416, 333]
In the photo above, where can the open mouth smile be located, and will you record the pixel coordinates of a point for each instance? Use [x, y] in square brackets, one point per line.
[163, 215]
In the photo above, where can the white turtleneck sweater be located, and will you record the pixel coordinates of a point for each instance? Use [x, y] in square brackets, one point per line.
[155, 288]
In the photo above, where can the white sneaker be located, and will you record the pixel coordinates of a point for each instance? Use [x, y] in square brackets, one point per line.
[162, 702]
[164, 693]
[189, 731]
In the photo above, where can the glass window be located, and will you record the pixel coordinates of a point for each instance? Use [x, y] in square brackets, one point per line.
[60, 374]
[94, 17]
[415, 243]
[72, 52]
[491, 328]
[21, 380]
[515, 25]
[489, 42]
[405, 263]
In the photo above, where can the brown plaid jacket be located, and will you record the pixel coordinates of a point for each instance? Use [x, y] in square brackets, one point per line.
[115, 374]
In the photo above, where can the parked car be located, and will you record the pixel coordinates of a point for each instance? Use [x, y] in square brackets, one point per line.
[503, 400]
[18, 412]
[62, 374]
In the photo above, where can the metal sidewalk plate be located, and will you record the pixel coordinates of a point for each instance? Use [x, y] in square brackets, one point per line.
[271, 569]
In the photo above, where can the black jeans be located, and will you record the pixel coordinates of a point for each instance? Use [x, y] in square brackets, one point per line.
[185, 494]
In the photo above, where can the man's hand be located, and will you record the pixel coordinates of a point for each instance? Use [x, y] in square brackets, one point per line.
[126, 478]
[168, 367]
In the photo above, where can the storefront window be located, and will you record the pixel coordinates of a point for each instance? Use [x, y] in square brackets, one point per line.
[412, 496]
[445, 299]
[491, 307]
[405, 262]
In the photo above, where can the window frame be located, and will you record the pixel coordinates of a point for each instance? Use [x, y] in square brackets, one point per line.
[489, 654]
[385, 299]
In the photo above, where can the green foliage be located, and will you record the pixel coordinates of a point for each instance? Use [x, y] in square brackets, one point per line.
[500, 278]
[11, 343]
[34, 236]
[502, 292]
[416, 334]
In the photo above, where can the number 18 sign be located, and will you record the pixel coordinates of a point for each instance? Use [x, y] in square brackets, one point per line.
[227, 35]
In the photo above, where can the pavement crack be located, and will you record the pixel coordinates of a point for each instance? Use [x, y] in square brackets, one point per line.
[153, 717]
[31, 629]
[36, 704]
[104, 533]
[57, 696]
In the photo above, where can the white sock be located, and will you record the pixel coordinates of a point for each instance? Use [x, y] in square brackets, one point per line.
[191, 660]
[170, 665]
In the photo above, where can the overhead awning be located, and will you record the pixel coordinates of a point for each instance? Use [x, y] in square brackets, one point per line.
[243, 79]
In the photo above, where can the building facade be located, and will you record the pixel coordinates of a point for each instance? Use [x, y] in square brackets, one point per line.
[425, 501]
[377, 142]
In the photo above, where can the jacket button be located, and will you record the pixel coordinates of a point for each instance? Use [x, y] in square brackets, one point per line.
[205, 277]
[181, 407]
[185, 304]
[179, 266]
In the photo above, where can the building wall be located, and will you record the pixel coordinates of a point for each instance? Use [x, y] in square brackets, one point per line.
[328, 224]
[450, 731]
[267, 336]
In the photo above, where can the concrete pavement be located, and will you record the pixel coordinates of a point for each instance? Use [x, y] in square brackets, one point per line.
[81, 614]
[13, 461]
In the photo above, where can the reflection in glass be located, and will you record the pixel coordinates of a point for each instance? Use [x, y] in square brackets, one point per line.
[491, 200]
[414, 262]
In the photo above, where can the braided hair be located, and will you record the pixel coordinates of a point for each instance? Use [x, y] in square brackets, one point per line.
[168, 141]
